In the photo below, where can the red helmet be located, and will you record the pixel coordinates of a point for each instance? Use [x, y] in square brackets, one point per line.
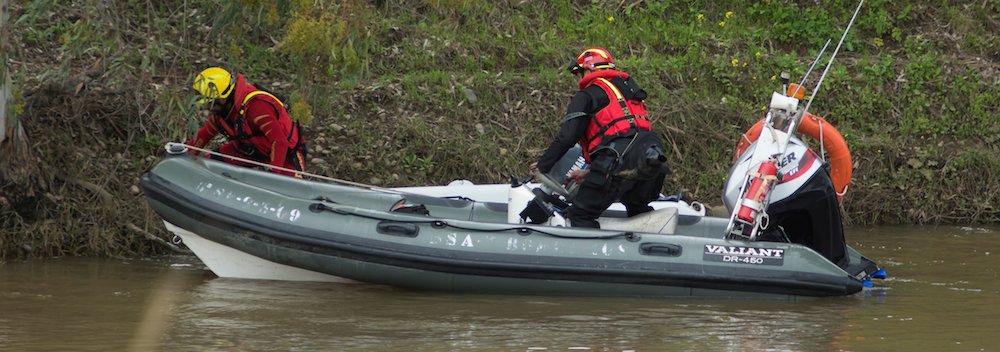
[591, 59]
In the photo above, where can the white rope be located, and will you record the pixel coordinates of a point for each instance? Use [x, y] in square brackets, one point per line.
[841, 194]
[822, 143]
[252, 162]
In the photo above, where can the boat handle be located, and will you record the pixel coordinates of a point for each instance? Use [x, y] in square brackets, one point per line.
[660, 249]
[395, 228]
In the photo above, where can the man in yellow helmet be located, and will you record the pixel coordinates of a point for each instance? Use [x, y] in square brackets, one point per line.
[255, 123]
[608, 119]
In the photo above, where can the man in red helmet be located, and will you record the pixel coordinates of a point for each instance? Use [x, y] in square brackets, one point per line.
[255, 122]
[609, 121]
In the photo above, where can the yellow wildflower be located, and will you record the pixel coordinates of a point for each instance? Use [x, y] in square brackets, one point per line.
[735, 62]
[701, 18]
[729, 14]
[774, 77]
[722, 24]
[756, 54]
[611, 18]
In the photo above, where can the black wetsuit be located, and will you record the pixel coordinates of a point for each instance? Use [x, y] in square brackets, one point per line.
[605, 184]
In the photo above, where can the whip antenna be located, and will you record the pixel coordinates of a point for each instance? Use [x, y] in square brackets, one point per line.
[827, 69]
[810, 70]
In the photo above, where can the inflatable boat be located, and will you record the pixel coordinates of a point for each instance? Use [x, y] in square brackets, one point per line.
[252, 224]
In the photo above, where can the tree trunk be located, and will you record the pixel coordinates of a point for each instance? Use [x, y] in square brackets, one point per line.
[13, 141]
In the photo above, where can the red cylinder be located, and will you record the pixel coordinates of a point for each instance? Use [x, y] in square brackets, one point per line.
[753, 200]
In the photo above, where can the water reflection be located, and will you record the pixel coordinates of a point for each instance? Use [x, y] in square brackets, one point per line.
[942, 295]
[79, 304]
[156, 316]
[365, 317]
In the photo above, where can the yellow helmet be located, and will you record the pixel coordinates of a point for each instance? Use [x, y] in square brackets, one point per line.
[212, 83]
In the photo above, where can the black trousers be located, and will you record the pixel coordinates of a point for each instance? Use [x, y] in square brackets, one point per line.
[601, 188]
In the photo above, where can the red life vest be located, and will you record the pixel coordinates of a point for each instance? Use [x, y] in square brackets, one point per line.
[621, 116]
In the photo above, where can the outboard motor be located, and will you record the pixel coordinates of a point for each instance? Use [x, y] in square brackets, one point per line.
[803, 206]
[571, 161]
[542, 205]
[779, 190]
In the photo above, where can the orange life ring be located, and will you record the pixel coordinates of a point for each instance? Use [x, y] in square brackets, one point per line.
[816, 127]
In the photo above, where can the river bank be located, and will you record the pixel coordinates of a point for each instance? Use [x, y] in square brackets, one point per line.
[424, 92]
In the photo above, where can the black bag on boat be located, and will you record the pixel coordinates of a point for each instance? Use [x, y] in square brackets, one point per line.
[418, 209]
[641, 156]
[536, 212]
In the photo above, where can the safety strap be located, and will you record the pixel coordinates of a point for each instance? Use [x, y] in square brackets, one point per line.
[295, 124]
[618, 94]
[573, 115]
[252, 94]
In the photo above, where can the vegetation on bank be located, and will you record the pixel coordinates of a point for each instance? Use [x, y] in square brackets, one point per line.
[413, 92]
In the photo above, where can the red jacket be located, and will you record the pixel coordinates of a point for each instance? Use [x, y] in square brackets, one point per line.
[257, 120]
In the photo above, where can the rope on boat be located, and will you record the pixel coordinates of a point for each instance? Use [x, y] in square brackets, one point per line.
[181, 148]
[438, 223]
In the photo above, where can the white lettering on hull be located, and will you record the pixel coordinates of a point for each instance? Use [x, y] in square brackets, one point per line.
[744, 255]
[453, 240]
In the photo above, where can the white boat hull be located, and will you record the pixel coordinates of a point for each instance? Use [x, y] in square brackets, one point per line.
[228, 262]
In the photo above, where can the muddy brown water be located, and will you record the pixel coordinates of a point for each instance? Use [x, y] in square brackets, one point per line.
[943, 294]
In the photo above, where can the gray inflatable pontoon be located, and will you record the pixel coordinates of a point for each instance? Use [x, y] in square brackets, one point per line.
[247, 223]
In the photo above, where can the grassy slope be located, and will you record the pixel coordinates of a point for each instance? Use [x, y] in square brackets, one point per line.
[386, 89]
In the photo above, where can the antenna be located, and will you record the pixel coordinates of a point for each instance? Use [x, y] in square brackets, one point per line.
[828, 64]
[810, 70]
